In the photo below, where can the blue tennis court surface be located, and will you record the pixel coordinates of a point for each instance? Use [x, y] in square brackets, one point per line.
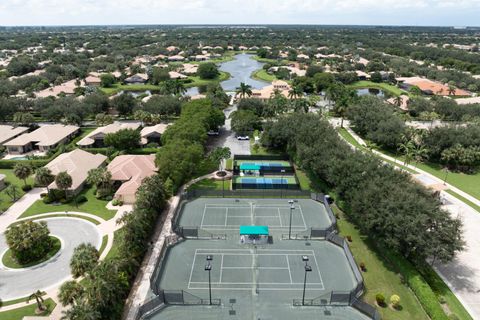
[264, 180]
[263, 164]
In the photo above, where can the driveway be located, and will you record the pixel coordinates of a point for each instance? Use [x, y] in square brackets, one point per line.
[226, 138]
[18, 283]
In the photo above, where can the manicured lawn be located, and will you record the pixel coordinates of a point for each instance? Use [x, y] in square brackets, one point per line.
[303, 180]
[381, 276]
[19, 313]
[470, 203]
[114, 249]
[261, 74]
[9, 261]
[104, 244]
[93, 206]
[10, 302]
[348, 137]
[210, 184]
[6, 201]
[468, 183]
[197, 81]
[382, 86]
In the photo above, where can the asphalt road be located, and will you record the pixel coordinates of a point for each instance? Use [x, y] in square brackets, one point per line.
[227, 136]
[17, 283]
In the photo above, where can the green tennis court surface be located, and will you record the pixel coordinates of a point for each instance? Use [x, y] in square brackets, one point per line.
[227, 215]
[259, 283]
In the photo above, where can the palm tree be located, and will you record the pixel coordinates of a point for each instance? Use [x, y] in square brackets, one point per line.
[101, 178]
[85, 258]
[295, 92]
[37, 295]
[451, 90]
[43, 177]
[407, 148]
[178, 88]
[22, 171]
[419, 153]
[398, 100]
[244, 90]
[81, 311]
[63, 181]
[70, 292]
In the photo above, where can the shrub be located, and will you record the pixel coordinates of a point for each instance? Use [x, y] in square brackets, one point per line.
[43, 194]
[363, 267]
[349, 238]
[380, 298]
[108, 198]
[47, 200]
[115, 202]
[395, 300]
[81, 199]
[64, 201]
[27, 187]
[442, 300]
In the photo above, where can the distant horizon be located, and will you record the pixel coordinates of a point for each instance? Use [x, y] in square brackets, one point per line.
[458, 27]
[414, 13]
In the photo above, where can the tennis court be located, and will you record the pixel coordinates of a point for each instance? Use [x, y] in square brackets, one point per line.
[275, 271]
[217, 214]
[264, 163]
[244, 269]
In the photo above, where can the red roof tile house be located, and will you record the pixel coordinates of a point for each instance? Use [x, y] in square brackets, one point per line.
[128, 172]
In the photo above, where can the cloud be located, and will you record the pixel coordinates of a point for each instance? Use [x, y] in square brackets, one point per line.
[407, 12]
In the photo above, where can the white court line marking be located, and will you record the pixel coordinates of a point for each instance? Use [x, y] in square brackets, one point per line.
[226, 216]
[191, 269]
[289, 271]
[263, 289]
[318, 270]
[264, 283]
[203, 216]
[252, 268]
[221, 269]
[279, 217]
[303, 218]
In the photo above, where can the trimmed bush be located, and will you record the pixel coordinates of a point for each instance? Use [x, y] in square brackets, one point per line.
[363, 267]
[81, 199]
[395, 301]
[27, 187]
[380, 298]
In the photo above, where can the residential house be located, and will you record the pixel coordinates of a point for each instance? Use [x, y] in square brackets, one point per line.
[92, 80]
[8, 133]
[139, 78]
[153, 133]
[43, 139]
[128, 172]
[176, 75]
[95, 138]
[76, 163]
[176, 58]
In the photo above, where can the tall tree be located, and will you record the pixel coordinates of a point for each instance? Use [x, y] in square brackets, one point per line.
[84, 259]
[44, 177]
[22, 171]
[244, 90]
[63, 181]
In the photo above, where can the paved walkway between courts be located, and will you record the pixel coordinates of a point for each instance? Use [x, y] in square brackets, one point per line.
[462, 275]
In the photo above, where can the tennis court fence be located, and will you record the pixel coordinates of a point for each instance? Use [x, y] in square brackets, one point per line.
[198, 233]
[263, 193]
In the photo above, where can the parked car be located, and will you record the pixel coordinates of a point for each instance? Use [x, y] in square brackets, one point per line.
[243, 138]
[213, 133]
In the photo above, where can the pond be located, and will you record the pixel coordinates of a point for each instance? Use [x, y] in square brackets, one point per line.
[240, 69]
[371, 91]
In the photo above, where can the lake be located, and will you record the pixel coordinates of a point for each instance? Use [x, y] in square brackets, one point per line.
[371, 91]
[240, 69]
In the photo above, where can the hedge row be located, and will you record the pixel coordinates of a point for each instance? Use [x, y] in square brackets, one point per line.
[419, 286]
[9, 164]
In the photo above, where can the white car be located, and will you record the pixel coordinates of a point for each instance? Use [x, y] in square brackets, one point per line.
[213, 133]
[243, 138]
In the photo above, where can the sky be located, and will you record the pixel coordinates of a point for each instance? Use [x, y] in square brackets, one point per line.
[350, 12]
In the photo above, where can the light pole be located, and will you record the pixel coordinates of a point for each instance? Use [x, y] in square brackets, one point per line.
[307, 269]
[208, 267]
[292, 206]
[305, 259]
[281, 183]
[446, 175]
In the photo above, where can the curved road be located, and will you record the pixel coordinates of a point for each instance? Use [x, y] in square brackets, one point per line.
[18, 283]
